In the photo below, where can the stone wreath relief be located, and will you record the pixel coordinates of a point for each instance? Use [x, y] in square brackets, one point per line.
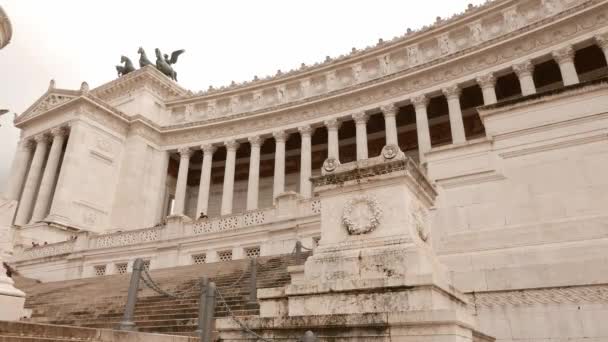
[361, 215]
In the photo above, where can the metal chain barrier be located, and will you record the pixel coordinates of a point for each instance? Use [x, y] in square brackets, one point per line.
[147, 278]
[238, 321]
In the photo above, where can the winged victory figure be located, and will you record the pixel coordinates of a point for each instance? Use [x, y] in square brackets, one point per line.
[163, 63]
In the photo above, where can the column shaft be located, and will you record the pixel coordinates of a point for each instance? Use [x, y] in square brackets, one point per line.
[49, 177]
[253, 184]
[228, 189]
[602, 42]
[524, 73]
[305, 161]
[33, 181]
[202, 205]
[487, 83]
[333, 141]
[361, 135]
[182, 181]
[279, 164]
[19, 170]
[452, 94]
[390, 124]
[422, 126]
[565, 60]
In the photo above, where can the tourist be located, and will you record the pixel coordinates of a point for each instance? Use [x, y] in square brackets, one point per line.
[203, 216]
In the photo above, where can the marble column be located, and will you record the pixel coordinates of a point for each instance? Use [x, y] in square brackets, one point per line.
[49, 177]
[361, 134]
[305, 161]
[279, 163]
[33, 180]
[487, 83]
[565, 59]
[524, 73]
[602, 42]
[452, 94]
[182, 180]
[228, 189]
[422, 125]
[202, 204]
[21, 161]
[390, 124]
[333, 142]
[253, 184]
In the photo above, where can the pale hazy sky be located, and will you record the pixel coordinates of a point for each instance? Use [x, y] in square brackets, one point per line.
[74, 41]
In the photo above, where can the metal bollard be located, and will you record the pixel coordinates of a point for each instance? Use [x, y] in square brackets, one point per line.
[201, 306]
[253, 288]
[127, 323]
[206, 334]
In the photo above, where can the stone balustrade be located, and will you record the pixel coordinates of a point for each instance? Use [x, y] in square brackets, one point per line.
[248, 219]
[44, 251]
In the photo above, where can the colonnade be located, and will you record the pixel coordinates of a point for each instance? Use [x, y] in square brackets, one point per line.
[34, 175]
[487, 83]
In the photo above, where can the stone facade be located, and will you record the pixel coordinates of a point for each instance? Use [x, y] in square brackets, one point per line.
[503, 107]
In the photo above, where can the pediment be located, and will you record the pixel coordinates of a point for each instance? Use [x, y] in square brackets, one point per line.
[47, 102]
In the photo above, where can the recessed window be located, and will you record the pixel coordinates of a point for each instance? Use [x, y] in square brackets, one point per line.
[121, 268]
[252, 252]
[224, 255]
[199, 258]
[100, 270]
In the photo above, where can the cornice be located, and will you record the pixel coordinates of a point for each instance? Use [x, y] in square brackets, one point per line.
[542, 35]
[147, 76]
[396, 75]
[472, 13]
[402, 46]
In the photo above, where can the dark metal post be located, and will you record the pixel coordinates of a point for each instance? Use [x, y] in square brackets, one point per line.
[298, 250]
[127, 323]
[209, 313]
[253, 288]
[201, 306]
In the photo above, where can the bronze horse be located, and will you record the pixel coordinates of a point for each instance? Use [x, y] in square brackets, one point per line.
[163, 64]
[126, 68]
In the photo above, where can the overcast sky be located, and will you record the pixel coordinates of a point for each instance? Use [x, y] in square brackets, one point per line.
[74, 41]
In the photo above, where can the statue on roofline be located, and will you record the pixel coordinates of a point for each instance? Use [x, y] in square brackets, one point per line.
[163, 63]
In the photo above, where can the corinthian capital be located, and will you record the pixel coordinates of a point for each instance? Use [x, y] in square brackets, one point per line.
[452, 91]
[486, 81]
[602, 40]
[360, 118]
[58, 131]
[208, 149]
[41, 138]
[564, 55]
[524, 68]
[389, 110]
[231, 145]
[184, 152]
[306, 130]
[256, 141]
[280, 136]
[420, 101]
[332, 124]
[26, 144]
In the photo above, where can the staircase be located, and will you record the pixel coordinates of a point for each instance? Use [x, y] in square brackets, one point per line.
[99, 302]
[33, 332]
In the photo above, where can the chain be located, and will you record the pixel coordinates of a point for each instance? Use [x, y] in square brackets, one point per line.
[154, 286]
[238, 321]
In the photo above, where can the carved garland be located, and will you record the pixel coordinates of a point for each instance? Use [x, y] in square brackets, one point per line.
[358, 228]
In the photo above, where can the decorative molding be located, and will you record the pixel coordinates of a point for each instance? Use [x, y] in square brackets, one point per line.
[208, 149]
[587, 294]
[420, 101]
[389, 110]
[280, 136]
